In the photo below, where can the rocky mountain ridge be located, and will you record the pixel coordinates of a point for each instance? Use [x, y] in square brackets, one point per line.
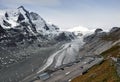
[23, 33]
[25, 25]
[100, 41]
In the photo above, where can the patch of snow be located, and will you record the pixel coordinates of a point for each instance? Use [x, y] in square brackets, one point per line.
[81, 29]
[13, 23]
[39, 25]
[2, 12]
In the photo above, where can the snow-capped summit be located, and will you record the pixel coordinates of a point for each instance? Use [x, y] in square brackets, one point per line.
[23, 24]
[32, 22]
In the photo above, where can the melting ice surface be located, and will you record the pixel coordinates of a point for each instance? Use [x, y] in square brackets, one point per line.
[66, 54]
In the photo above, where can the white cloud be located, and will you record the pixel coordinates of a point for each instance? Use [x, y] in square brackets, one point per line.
[78, 28]
[82, 29]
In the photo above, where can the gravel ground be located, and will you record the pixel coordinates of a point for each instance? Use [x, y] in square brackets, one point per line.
[20, 70]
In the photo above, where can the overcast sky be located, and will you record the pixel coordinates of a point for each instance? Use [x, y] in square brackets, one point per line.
[72, 13]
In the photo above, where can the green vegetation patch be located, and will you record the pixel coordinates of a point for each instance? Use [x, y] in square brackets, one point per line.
[112, 52]
[104, 72]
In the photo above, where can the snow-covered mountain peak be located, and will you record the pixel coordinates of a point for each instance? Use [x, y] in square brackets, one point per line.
[22, 22]
[20, 16]
[11, 18]
[21, 7]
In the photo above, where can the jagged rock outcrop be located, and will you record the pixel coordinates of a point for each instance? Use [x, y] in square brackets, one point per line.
[98, 30]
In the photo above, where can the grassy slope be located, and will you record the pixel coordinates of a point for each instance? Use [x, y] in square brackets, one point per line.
[104, 72]
[112, 52]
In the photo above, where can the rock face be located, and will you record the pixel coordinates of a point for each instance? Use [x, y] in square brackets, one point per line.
[98, 30]
[22, 32]
[100, 41]
[118, 66]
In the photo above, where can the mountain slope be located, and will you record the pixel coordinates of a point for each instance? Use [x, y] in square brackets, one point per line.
[106, 44]
[105, 72]
[23, 33]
